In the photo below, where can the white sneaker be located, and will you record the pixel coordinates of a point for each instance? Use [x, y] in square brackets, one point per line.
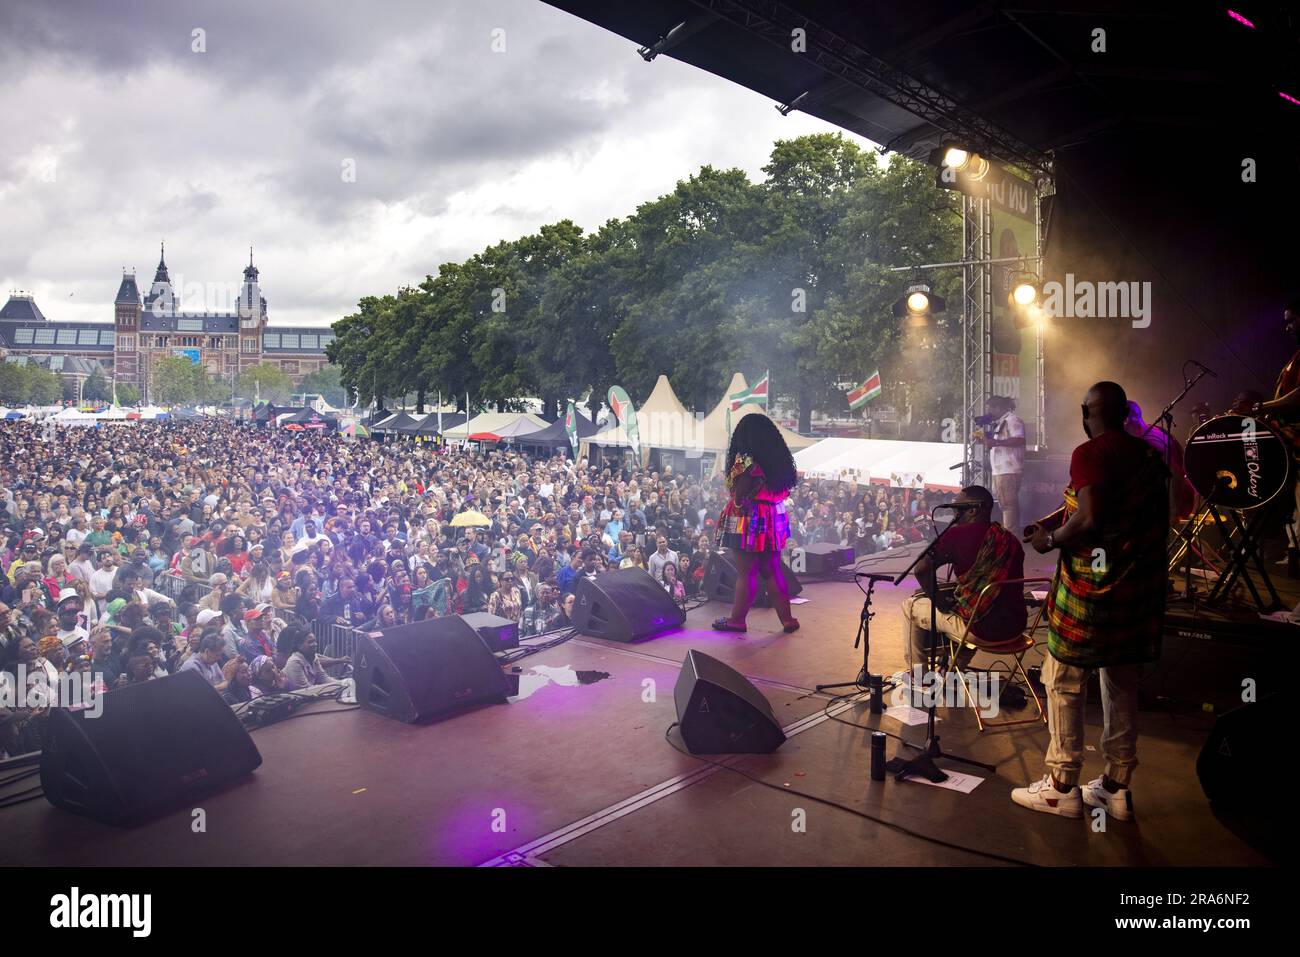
[1118, 805]
[1043, 796]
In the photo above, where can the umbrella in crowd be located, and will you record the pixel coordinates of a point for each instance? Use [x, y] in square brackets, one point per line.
[469, 518]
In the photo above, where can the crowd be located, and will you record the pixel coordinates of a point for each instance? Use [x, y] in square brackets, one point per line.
[135, 552]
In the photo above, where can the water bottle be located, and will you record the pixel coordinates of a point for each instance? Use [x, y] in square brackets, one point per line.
[877, 756]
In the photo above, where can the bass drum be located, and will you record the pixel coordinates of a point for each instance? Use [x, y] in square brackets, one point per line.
[1245, 459]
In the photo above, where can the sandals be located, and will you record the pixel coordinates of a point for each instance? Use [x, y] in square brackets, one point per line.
[791, 626]
[726, 624]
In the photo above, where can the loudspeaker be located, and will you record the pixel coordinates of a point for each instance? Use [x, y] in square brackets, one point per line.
[624, 605]
[720, 580]
[501, 634]
[154, 747]
[1242, 743]
[720, 712]
[823, 559]
[427, 669]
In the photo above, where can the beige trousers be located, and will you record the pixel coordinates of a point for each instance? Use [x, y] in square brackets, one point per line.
[1066, 695]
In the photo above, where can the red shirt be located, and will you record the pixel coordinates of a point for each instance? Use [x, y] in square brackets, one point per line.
[1111, 456]
[1006, 615]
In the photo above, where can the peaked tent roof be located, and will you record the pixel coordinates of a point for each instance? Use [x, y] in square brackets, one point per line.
[713, 433]
[662, 422]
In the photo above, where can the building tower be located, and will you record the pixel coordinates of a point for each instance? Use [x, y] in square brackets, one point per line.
[161, 300]
[126, 341]
[252, 317]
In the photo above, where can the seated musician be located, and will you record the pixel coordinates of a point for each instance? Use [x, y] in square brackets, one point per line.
[980, 552]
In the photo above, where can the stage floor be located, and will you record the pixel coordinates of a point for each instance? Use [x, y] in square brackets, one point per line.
[577, 771]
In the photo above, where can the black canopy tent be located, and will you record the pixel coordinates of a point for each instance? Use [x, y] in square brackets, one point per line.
[430, 425]
[554, 436]
[266, 413]
[310, 419]
[394, 424]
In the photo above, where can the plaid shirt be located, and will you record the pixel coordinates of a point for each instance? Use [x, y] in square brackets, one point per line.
[1107, 604]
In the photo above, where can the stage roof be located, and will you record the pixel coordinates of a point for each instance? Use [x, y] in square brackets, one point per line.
[1011, 80]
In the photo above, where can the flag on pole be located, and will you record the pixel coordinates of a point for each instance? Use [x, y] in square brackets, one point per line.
[571, 426]
[756, 394]
[625, 412]
[865, 392]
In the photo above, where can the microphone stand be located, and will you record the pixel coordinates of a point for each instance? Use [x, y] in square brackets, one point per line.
[1166, 416]
[923, 764]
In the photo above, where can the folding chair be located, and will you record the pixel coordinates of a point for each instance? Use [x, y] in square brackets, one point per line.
[1015, 648]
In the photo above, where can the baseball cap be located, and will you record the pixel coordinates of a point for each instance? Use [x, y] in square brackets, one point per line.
[68, 594]
[206, 615]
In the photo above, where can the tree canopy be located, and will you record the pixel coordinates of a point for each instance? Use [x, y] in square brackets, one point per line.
[789, 274]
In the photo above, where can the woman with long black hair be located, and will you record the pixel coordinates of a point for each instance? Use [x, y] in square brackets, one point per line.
[753, 525]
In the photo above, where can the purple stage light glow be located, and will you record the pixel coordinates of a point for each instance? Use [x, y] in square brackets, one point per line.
[1288, 97]
[1240, 19]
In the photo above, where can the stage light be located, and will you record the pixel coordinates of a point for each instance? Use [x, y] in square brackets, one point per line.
[917, 304]
[955, 157]
[1024, 293]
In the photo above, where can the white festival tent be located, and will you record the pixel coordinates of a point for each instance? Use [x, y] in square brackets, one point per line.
[662, 422]
[492, 422]
[884, 462]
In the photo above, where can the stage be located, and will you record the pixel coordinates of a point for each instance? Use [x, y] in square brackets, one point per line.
[576, 771]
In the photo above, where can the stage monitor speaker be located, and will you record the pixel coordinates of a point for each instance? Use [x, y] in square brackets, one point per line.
[501, 634]
[720, 712]
[155, 747]
[823, 559]
[720, 580]
[427, 669]
[1242, 743]
[624, 605]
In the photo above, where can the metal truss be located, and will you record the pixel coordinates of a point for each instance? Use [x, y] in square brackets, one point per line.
[840, 57]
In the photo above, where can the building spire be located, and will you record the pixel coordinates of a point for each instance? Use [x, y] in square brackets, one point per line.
[161, 274]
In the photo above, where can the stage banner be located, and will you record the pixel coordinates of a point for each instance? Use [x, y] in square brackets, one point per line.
[1015, 351]
[191, 354]
[622, 407]
[571, 426]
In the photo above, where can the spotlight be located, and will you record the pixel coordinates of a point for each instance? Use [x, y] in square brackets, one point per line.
[958, 159]
[1024, 292]
[918, 303]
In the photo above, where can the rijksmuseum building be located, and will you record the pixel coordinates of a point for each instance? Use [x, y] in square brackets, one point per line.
[145, 329]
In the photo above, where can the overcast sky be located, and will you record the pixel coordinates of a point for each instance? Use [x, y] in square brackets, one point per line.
[119, 135]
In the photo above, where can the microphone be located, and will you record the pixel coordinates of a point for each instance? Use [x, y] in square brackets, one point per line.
[1208, 371]
[874, 576]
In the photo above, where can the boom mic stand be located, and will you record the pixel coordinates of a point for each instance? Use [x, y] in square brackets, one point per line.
[863, 680]
[923, 764]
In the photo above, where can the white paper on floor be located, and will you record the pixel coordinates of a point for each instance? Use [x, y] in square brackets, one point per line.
[965, 783]
[905, 714]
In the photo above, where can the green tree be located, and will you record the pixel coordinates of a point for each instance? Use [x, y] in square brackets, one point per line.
[128, 394]
[266, 381]
[326, 382]
[95, 388]
[174, 381]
